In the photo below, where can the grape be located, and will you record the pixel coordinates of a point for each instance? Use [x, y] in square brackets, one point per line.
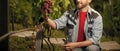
[47, 6]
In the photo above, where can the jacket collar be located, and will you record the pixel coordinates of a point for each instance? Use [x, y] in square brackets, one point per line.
[89, 10]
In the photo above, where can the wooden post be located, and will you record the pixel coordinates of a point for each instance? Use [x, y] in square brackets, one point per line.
[4, 24]
[39, 37]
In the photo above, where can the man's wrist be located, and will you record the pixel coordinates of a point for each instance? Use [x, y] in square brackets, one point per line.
[46, 18]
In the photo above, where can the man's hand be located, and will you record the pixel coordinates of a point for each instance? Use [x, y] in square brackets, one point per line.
[71, 46]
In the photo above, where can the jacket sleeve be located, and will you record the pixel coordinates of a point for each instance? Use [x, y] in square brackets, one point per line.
[97, 30]
[61, 22]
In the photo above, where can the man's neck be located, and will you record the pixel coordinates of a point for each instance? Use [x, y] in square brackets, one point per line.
[85, 9]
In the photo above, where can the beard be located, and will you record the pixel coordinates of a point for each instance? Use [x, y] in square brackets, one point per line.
[81, 6]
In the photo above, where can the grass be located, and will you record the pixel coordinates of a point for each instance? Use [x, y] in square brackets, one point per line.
[58, 34]
[20, 43]
[104, 38]
[26, 44]
[117, 39]
[108, 38]
[57, 47]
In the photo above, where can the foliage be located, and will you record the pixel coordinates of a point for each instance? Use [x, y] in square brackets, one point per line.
[27, 12]
[19, 26]
[58, 8]
[114, 18]
[20, 12]
[26, 44]
[20, 43]
[111, 18]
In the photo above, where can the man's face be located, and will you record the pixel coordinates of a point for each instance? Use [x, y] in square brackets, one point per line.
[82, 3]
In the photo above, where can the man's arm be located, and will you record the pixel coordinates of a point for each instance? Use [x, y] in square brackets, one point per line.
[84, 43]
[74, 45]
[51, 23]
[58, 23]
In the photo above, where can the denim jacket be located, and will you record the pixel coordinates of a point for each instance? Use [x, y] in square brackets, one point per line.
[70, 20]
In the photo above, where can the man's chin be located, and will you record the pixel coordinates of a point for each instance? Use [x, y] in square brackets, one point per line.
[79, 7]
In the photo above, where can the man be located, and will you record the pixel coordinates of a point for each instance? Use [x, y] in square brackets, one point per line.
[84, 27]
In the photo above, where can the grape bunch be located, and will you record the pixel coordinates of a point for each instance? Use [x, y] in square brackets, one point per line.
[46, 7]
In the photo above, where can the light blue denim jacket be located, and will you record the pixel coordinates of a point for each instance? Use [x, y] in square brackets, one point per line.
[97, 26]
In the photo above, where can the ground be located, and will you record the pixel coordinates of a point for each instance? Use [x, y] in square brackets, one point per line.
[107, 46]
